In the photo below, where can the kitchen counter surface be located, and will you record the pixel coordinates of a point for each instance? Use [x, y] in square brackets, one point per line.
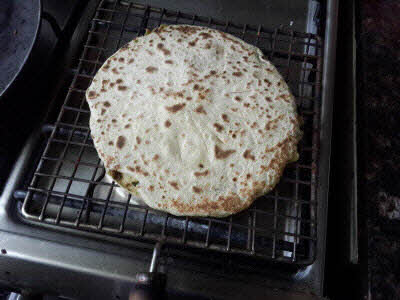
[379, 122]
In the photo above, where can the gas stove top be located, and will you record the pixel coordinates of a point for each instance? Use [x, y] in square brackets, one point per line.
[100, 265]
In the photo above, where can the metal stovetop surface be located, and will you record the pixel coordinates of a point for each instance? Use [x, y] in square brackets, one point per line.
[115, 265]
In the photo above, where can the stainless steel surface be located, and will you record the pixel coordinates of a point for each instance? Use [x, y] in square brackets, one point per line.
[79, 266]
[328, 82]
[353, 251]
[270, 13]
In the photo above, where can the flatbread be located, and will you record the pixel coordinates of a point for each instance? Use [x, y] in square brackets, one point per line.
[194, 120]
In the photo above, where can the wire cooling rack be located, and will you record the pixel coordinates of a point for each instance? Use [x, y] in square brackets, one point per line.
[68, 188]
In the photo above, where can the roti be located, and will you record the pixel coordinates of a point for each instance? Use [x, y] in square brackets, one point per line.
[193, 120]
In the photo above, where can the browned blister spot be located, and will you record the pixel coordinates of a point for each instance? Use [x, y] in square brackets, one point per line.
[138, 140]
[197, 190]
[230, 203]
[199, 174]
[225, 118]
[247, 155]
[151, 188]
[254, 125]
[167, 123]
[284, 97]
[200, 110]
[273, 123]
[156, 157]
[212, 73]
[222, 154]
[107, 104]
[186, 29]
[122, 88]
[121, 141]
[205, 35]
[103, 111]
[193, 43]
[174, 184]
[237, 98]
[267, 82]
[160, 46]
[116, 175]
[237, 74]
[114, 70]
[218, 127]
[92, 95]
[168, 61]
[267, 150]
[175, 108]
[151, 69]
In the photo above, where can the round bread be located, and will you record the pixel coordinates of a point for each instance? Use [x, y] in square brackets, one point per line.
[194, 120]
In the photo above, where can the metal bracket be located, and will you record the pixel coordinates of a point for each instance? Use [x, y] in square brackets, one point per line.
[150, 285]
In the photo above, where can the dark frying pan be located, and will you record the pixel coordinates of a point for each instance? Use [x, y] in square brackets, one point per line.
[19, 27]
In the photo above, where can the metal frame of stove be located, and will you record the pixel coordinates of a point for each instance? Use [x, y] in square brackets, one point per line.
[38, 259]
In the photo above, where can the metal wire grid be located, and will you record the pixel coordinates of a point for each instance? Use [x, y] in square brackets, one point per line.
[64, 190]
